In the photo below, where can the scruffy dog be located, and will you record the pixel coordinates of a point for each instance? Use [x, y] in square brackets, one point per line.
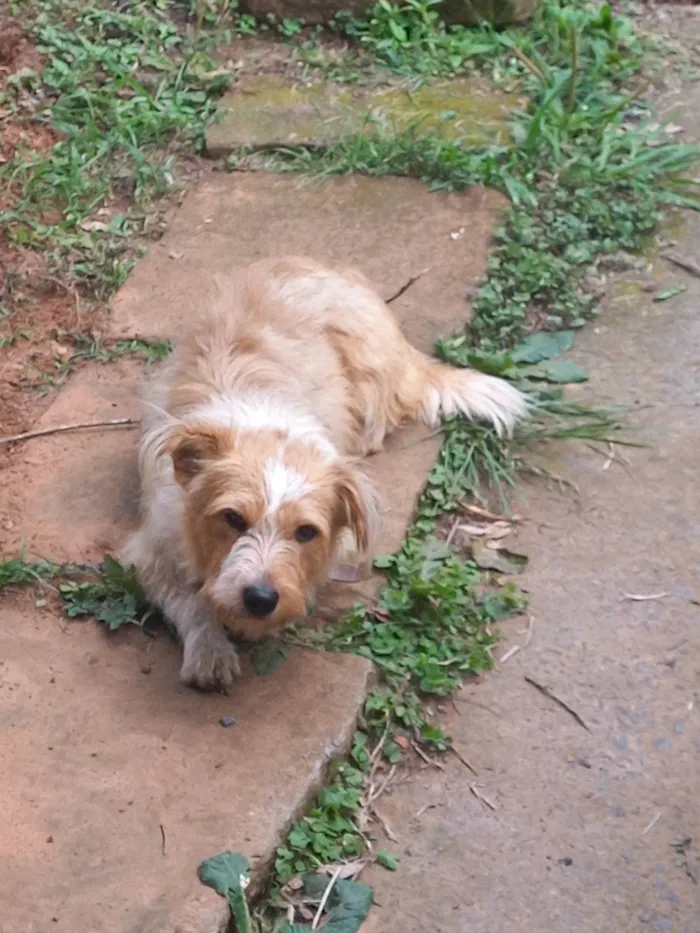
[249, 453]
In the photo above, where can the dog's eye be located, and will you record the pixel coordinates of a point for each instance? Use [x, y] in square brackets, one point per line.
[305, 533]
[235, 521]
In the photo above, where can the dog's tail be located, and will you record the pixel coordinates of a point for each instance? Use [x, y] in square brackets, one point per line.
[447, 391]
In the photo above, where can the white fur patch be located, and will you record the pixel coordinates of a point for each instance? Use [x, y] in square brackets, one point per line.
[477, 396]
[258, 411]
[282, 484]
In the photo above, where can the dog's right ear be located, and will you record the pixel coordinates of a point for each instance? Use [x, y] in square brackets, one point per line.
[193, 446]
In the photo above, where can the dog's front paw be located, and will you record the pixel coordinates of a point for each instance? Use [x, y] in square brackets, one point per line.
[210, 661]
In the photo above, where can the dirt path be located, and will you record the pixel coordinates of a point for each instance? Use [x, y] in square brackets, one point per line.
[597, 828]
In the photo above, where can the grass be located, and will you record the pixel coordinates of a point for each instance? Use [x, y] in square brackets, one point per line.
[129, 93]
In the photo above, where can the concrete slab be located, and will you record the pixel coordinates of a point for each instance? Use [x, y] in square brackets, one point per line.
[73, 497]
[117, 781]
[265, 112]
[390, 228]
[100, 746]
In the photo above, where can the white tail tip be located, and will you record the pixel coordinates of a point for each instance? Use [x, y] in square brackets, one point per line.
[478, 397]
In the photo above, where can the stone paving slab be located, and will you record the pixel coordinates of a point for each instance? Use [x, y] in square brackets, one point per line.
[73, 497]
[117, 781]
[265, 112]
[96, 753]
[390, 228]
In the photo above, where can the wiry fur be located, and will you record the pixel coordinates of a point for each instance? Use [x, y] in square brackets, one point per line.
[264, 409]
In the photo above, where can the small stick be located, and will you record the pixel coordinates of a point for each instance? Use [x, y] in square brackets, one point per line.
[376, 794]
[465, 761]
[687, 264]
[529, 64]
[60, 428]
[641, 598]
[482, 797]
[405, 287]
[391, 835]
[324, 899]
[530, 626]
[453, 531]
[490, 516]
[652, 823]
[426, 758]
[428, 806]
[162, 839]
[509, 654]
[552, 696]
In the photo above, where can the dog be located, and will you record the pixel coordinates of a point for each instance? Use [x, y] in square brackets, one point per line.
[252, 434]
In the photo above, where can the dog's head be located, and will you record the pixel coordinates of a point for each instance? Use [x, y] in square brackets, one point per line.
[263, 518]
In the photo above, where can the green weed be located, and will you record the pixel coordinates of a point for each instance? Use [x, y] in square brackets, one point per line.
[112, 594]
[108, 593]
[89, 347]
[20, 572]
[125, 92]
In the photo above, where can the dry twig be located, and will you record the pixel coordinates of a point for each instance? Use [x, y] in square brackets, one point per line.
[482, 797]
[426, 758]
[641, 598]
[391, 835]
[61, 428]
[687, 264]
[463, 758]
[405, 287]
[552, 696]
[509, 654]
[324, 899]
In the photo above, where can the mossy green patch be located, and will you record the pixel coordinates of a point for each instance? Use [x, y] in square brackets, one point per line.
[265, 112]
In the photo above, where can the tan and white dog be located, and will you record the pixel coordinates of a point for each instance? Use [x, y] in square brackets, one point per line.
[249, 454]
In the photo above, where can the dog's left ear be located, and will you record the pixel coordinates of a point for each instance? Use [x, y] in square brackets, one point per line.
[358, 506]
[193, 446]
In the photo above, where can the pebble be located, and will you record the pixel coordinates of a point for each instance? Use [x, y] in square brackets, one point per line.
[227, 721]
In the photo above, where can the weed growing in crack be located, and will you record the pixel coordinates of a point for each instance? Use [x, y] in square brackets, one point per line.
[111, 594]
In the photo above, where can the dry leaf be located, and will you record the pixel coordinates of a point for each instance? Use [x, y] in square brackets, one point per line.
[499, 530]
[346, 870]
[91, 225]
[475, 530]
[501, 560]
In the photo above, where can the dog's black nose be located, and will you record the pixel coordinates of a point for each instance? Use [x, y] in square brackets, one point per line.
[260, 600]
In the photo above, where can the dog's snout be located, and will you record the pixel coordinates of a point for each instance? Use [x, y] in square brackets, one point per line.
[260, 600]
